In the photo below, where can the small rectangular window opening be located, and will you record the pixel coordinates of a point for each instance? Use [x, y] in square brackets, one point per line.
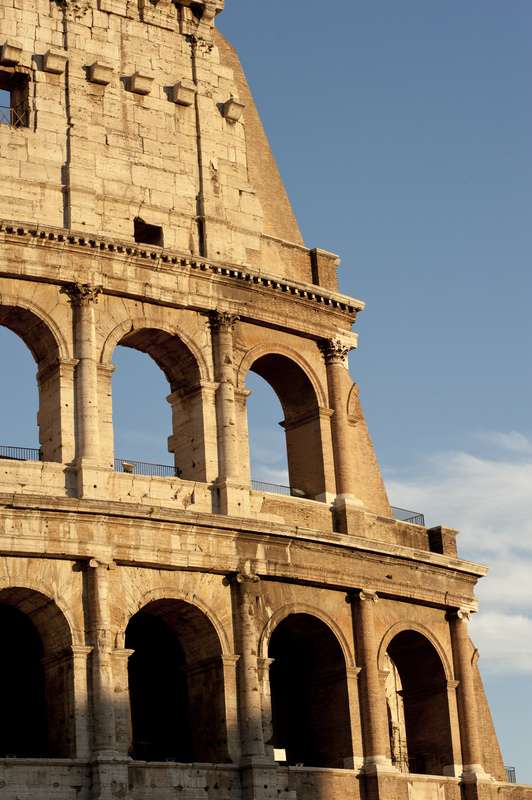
[14, 99]
[147, 234]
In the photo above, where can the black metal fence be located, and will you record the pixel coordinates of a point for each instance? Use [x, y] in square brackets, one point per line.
[20, 453]
[510, 775]
[276, 488]
[15, 116]
[404, 515]
[145, 468]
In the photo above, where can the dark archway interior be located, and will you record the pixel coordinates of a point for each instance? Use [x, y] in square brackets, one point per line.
[23, 731]
[310, 704]
[301, 423]
[36, 677]
[176, 685]
[426, 707]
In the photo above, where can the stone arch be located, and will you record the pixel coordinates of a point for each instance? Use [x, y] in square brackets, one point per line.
[303, 401]
[304, 608]
[290, 353]
[310, 717]
[130, 327]
[170, 593]
[37, 681]
[188, 374]
[49, 349]
[423, 630]
[176, 671]
[416, 685]
[41, 335]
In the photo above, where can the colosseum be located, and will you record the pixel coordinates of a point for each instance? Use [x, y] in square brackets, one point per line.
[185, 632]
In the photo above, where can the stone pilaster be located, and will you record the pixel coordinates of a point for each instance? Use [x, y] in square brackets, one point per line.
[372, 696]
[234, 497]
[83, 298]
[103, 717]
[467, 703]
[247, 586]
[347, 505]
[80, 656]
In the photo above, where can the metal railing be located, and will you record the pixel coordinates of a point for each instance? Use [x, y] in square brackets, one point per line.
[510, 775]
[403, 515]
[276, 488]
[20, 453]
[145, 468]
[15, 116]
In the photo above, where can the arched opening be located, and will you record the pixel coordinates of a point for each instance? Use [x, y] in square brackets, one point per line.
[176, 685]
[310, 703]
[267, 440]
[36, 678]
[301, 424]
[31, 408]
[418, 708]
[145, 429]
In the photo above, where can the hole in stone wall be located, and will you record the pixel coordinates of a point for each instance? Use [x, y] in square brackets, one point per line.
[147, 234]
[14, 93]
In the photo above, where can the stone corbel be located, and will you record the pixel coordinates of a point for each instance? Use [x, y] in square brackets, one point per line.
[11, 53]
[183, 93]
[100, 73]
[140, 83]
[233, 109]
[54, 61]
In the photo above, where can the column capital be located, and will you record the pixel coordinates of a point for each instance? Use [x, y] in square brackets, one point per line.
[335, 351]
[95, 563]
[459, 615]
[82, 294]
[364, 595]
[246, 577]
[222, 321]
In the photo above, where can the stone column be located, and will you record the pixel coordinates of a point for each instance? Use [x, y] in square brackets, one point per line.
[247, 593]
[83, 297]
[335, 353]
[232, 495]
[103, 715]
[347, 505]
[467, 702]
[372, 696]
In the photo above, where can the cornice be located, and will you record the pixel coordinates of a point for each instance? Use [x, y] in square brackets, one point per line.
[65, 239]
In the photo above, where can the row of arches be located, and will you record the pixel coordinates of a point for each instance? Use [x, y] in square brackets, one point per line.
[177, 700]
[154, 403]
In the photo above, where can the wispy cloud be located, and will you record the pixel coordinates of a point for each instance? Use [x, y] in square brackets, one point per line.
[489, 499]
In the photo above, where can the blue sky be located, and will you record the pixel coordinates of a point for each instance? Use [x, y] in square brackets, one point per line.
[403, 132]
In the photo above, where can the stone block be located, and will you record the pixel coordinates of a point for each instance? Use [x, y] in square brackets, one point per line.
[183, 93]
[54, 61]
[233, 110]
[11, 52]
[141, 83]
[100, 72]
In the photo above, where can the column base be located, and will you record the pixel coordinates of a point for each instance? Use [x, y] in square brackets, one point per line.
[349, 516]
[378, 765]
[91, 479]
[474, 773]
[233, 498]
[109, 777]
[262, 779]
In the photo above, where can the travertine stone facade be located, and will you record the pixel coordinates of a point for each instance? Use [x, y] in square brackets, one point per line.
[192, 635]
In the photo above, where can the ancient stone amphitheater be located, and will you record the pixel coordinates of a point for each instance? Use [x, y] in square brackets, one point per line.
[185, 632]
